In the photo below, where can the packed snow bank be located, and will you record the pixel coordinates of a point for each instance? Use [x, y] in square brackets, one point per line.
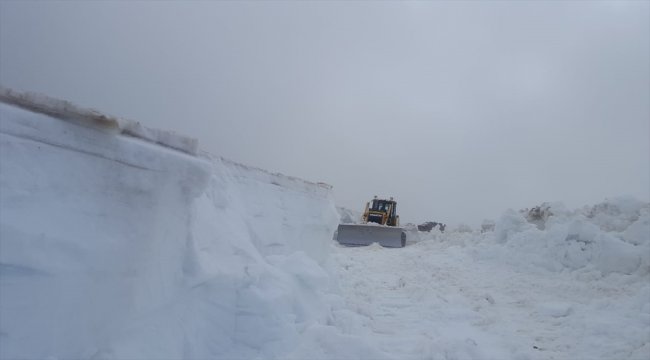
[116, 247]
[610, 237]
[348, 216]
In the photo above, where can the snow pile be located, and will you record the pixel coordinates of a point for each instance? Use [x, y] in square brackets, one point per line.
[347, 216]
[610, 237]
[114, 247]
[412, 233]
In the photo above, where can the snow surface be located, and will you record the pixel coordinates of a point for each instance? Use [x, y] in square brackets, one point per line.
[569, 292]
[115, 247]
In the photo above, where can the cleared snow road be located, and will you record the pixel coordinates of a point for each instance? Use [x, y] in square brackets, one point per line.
[444, 299]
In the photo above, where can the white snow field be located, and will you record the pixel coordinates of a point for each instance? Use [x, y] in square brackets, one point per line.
[571, 291]
[123, 242]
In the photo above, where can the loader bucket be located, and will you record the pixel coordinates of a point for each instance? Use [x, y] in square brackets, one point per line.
[359, 235]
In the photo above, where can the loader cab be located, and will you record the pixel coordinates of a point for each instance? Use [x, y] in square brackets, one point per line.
[382, 212]
[383, 206]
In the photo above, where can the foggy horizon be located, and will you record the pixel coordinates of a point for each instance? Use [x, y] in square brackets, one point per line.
[457, 110]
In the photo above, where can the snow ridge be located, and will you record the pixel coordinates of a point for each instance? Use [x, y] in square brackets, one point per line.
[65, 110]
[114, 247]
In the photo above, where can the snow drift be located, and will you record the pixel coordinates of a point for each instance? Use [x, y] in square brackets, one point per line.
[119, 242]
[551, 283]
[610, 237]
[348, 216]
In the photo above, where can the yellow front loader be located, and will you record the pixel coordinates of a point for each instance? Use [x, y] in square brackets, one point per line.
[380, 224]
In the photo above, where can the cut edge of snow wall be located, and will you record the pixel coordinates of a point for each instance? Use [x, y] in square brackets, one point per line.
[67, 111]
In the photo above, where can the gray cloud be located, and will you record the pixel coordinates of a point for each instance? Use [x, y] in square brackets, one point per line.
[459, 110]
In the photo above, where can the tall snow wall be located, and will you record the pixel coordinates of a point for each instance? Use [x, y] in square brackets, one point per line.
[118, 241]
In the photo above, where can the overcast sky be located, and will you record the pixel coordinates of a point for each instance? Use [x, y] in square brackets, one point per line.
[459, 110]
